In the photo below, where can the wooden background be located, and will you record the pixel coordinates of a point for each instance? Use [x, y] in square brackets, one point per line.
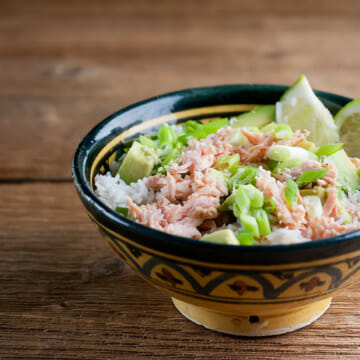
[64, 66]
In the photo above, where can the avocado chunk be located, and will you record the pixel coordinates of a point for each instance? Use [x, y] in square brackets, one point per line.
[259, 117]
[313, 206]
[226, 237]
[138, 163]
[347, 174]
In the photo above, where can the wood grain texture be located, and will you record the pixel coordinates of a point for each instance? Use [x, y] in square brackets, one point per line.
[65, 65]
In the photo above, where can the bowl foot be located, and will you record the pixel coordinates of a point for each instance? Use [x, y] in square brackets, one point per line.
[243, 324]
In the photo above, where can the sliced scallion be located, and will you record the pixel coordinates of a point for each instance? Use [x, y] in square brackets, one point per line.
[147, 142]
[262, 221]
[288, 164]
[284, 152]
[329, 149]
[269, 205]
[242, 202]
[250, 224]
[245, 237]
[245, 175]
[171, 155]
[122, 210]
[166, 135]
[227, 162]
[237, 138]
[213, 126]
[311, 176]
[272, 164]
[194, 130]
[255, 196]
[290, 193]
[281, 131]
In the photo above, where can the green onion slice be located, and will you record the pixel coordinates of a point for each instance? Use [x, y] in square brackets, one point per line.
[281, 131]
[250, 224]
[171, 155]
[262, 221]
[290, 192]
[329, 149]
[166, 135]
[227, 162]
[269, 205]
[311, 176]
[255, 196]
[245, 175]
[194, 130]
[147, 142]
[245, 237]
[241, 203]
[122, 210]
[213, 126]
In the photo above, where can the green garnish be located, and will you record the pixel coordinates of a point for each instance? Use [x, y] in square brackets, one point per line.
[213, 126]
[272, 164]
[288, 164]
[166, 136]
[241, 202]
[285, 153]
[250, 224]
[194, 130]
[245, 175]
[245, 237]
[311, 176]
[269, 205]
[255, 196]
[290, 192]
[171, 155]
[249, 199]
[281, 131]
[262, 221]
[183, 139]
[122, 210]
[237, 138]
[329, 149]
[227, 162]
[147, 142]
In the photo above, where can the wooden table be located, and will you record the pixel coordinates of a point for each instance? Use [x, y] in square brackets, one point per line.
[64, 66]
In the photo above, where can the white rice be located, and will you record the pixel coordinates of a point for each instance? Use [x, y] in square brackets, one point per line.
[284, 236]
[352, 204]
[115, 192]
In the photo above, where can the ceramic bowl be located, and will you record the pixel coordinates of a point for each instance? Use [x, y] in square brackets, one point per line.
[242, 290]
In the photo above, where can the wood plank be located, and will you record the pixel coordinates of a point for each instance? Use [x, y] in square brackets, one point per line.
[66, 65]
[66, 295]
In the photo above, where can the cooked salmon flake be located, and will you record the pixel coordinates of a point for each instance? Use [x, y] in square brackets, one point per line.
[185, 198]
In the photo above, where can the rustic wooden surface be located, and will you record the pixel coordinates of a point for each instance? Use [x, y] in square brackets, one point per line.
[64, 65]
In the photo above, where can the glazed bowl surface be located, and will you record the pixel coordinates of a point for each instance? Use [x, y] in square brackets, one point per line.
[243, 290]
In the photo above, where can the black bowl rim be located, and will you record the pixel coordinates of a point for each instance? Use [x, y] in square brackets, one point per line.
[152, 235]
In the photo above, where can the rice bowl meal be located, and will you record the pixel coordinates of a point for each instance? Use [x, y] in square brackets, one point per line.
[240, 202]
[279, 174]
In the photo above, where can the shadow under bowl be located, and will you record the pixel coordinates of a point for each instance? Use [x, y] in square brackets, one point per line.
[241, 290]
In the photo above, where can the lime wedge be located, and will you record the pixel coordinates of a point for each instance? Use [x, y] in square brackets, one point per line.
[348, 122]
[300, 108]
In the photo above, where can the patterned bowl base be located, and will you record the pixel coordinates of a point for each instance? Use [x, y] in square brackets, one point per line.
[253, 324]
